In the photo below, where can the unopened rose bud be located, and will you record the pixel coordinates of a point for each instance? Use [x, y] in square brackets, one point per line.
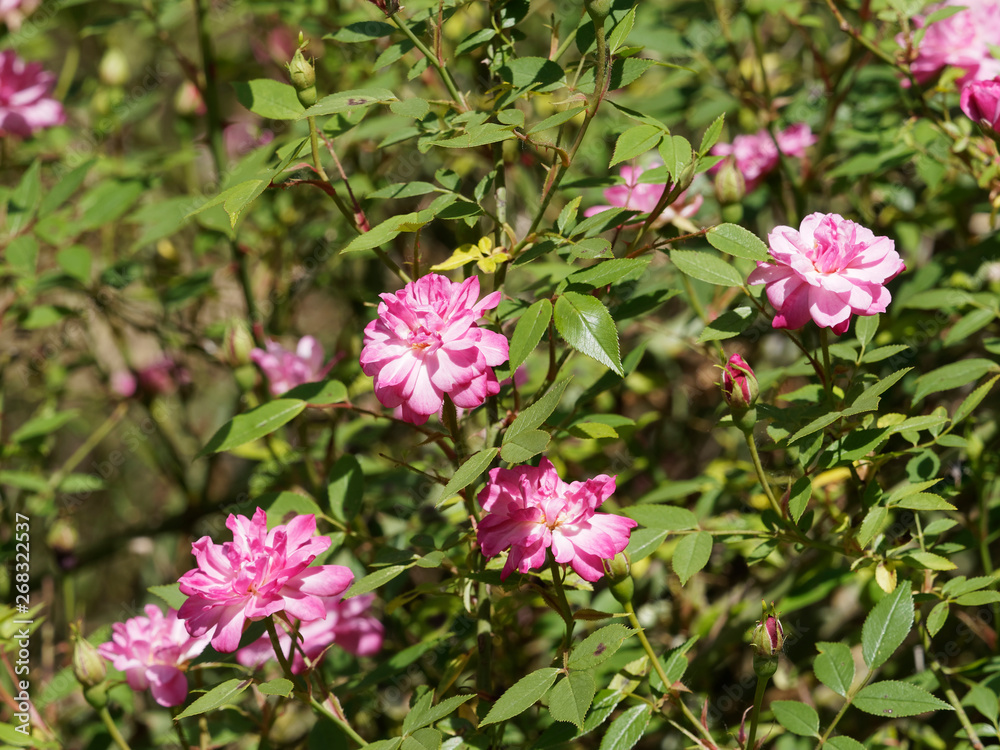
[114, 68]
[303, 76]
[768, 637]
[88, 665]
[238, 344]
[389, 7]
[598, 9]
[730, 185]
[619, 571]
[739, 385]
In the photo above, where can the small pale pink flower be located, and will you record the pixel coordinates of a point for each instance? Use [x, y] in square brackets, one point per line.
[123, 383]
[285, 369]
[153, 652]
[349, 623]
[643, 197]
[13, 12]
[756, 155]
[981, 102]
[963, 40]
[258, 574]
[25, 102]
[827, 270]
[529, 510]
[425, 343]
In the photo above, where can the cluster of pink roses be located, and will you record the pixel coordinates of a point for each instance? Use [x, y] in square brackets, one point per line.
[965, 40]
[756, 156]
[25, 102]
[259, 574]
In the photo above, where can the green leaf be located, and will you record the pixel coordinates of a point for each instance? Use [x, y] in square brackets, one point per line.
[271, 99]
[676, 153]
[40, 426]
[874, 521]
[953, 375]
[475, 39]
[978, 598]
[798, 497]
[362, 31]
[974, 399]
[319, 393]
[218, 696]
[969, 324]
[170, 593]
[280, 686]
[524, 446]
[706, 267]
[798, 718]
[627, 729]
[423, 739]
[621, 31]
[424, 714]
[675, 664]
[711, 137]
[865, 329]
[843, 742]
[22, 255]
[346, 488]
[571, 698]
[834, 667]
[586, 325]
[664, 517]
[691, 555]
[529, 331]
[65, 187]
[413, 106]
[894, 699]
[480, 135]
[522, 695]
[107, 201]
[75, 260]
[24, 200]
[635, 141]
[733, 239]
[609, 272]
[280, 506]
[923, 501]
[937, 618]
[536, 414]
[348, 101]
[960, 585]
[556, 120]
[928, 561]
[598, 647]
[817, 424]
[253, 425]
[887, 626]
[469, 472]
[730, 323]
[374, 580]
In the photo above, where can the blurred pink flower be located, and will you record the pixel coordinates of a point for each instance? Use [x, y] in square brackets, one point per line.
[13, 12]
[643, 197]
[349, 624]
[161, 377]
[827, 270]
[256, 575]
[153, 651]
[981, 102]
[756, 155]
[243, 137]
[25, 104]
[425, 343]
[285, 369]
[530, 509]
[188, 100]
[962, 41]
[123, 383]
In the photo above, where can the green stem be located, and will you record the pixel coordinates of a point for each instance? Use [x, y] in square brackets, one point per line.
[658, 667]
[179, 729]
[345, 727]
[86, 447]
[843, 709]
[286, 667]
[450, 414]
[758, 701]
[484, 640]
[112, 729]
[566, 610]
[824, 337]
[433, 60]
[949, 692]
[759, 468]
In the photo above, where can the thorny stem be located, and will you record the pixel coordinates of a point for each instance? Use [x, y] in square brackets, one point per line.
[434, 61]
[758, 701]
[667, 685]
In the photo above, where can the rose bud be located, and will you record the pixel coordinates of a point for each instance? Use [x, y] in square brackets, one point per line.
[739, 385]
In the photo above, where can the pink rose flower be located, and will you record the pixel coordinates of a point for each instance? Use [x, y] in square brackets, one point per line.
[962, 41]
[258, 574]
[25, 104]
[826, 270]
[349, 624]
[756, 155]
[153, 652]
[285, 369]
[531, 509]
[981, 102]
[13, 12]
[425, 343]
[643, 197]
